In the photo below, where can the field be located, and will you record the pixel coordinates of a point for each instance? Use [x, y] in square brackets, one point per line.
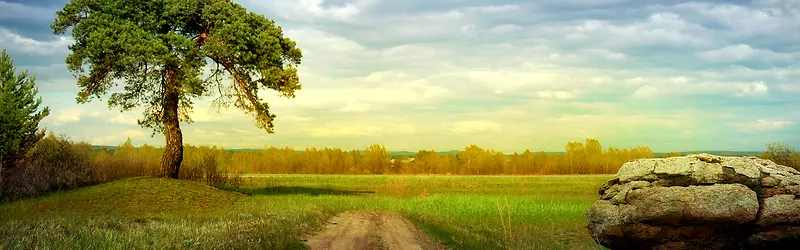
[275, 211]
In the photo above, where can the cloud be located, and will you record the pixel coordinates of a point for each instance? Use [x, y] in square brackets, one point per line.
[645, 92]
[504, 28]
[18, 11]
[791, 88]
[560, 95]
[347, 131]
[133, 133]
[742, 19]
[105, 140]
[667, 29]
[20, 44]
[355, 107]
[313, 9]
[124, 118]
[754, 89]
[494, 8]
[475, 127]
[765, 125]
[73, 115]
[742, 52]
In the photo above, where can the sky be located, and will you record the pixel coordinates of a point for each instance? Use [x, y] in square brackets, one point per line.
[508, 75]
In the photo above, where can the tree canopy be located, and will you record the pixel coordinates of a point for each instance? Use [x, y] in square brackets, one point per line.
[169, 53]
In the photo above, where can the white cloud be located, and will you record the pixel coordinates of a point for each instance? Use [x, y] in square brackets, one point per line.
[355, 107]
[645, 92]
[475, 127]
[791, 88]
[742, 19]
[504, 28]
[16, 42]
[105, 140]
[364, 93]
[741, 52]
[133, 133]
[319, 41]
[494, 8]
[636, 80]
[17, 11]
[305, 10]
[754, 89]
[293, 118]
[604, 53]
[124, 119]
[681, 80]
[71, 115]
[346, 131]
[668, 29]
[602, 79]
[559, 95]
[764, 125]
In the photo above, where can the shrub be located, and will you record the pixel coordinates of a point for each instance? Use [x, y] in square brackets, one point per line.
[54, 163]
[206, 169]
[783, 154]
[672, 154]
[126, 161]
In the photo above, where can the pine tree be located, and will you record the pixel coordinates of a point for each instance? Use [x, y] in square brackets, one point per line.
[19, 113]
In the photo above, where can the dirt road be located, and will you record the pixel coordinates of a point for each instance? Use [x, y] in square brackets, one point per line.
[370, 230]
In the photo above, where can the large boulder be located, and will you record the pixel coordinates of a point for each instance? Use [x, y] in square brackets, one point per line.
[699, 201]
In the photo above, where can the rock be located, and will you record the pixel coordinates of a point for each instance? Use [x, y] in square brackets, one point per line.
[699, 201]
[780, 209]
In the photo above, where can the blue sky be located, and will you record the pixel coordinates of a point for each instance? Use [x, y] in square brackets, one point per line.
[508, 75]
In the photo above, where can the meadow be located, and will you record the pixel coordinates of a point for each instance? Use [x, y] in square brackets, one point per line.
[275, 211]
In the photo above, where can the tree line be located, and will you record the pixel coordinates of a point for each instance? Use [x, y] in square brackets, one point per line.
[587, 157]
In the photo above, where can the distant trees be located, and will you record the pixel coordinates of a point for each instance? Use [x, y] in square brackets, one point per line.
[377, 160]
[783, 154]
[20, 114]
[581, 158]
[672, 154]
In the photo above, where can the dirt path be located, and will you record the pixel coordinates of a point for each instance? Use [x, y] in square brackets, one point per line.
[370, 230]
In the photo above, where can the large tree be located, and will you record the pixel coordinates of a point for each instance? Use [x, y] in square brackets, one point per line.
[20, 113]
[159, 50]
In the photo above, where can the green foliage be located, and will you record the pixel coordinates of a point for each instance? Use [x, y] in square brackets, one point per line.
[54, 163]
[20, 113]
[377, 159]
[783, 154]
[150, 44]
[672, 154]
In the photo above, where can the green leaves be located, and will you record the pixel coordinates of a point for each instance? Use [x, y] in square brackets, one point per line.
[136, 43]
[20, 116]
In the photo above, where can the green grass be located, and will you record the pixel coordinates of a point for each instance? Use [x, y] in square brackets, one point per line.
[462, 212]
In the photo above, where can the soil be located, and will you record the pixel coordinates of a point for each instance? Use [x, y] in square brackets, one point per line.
[365, 230]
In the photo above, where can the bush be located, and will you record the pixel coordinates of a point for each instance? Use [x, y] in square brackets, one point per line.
[206, 169]
[672, 154]
[126, 161]
[54, 163]
[782, 154]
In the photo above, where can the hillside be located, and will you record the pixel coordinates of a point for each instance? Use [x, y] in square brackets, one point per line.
[144, 196]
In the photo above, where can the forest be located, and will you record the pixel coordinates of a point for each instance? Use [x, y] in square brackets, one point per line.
[587, 157]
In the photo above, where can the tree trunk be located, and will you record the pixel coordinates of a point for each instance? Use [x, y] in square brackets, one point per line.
[173, 152]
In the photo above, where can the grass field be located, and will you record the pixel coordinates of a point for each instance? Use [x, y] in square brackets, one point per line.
[274, 211]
